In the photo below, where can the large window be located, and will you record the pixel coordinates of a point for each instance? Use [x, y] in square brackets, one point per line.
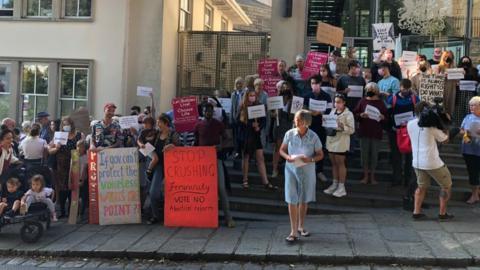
[77, 8]
[39, 8]
[5, 71]
[34, 89]
[208, 18]
[6, 8]
[224, 25]
[73, 88]
[185, 23]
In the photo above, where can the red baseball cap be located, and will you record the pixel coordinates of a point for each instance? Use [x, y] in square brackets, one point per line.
[108, 106]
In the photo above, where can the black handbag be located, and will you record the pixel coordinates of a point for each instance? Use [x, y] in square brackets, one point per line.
[331, 132]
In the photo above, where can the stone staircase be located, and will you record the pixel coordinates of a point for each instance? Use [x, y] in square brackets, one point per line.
[360, 199]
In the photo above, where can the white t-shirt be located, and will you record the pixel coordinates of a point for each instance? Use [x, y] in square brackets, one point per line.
[32, 147]
[424, 146]
[44, 193]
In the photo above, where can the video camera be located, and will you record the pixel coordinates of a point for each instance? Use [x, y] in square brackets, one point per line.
[435, 116]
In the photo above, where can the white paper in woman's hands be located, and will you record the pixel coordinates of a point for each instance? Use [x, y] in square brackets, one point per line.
[298, 162]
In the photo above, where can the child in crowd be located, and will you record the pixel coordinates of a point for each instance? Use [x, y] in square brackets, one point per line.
[38, 193]
[83, 175]
[10, 202]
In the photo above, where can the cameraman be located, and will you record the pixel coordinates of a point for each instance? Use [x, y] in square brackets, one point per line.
[427, 164]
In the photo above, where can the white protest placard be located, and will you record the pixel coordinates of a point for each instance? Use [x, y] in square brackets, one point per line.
[383, 36]
[403, 118]
[275, 103]
[60, 138]
[468, 85]
[355, 91]
[409, 56]
[298, 162]
[330, 121]
[226, 104]
[257, 111]
[373, 113]
[409, 68]
[297, 104]
[143, 91]
[455, 73]
[217, 113]
[149, 148]
[127, 122]
[317, 105]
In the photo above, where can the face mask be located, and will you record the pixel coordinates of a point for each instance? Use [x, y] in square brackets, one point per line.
[67, 128]
[370, 94]
[252, 99]
[316, 88]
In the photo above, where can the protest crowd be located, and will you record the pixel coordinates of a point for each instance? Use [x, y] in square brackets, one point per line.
[304, 114]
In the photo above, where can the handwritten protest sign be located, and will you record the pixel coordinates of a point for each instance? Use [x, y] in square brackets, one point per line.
[81, 119]
[297, 104]
[143, 91]
[127, 122]
[317, 105]
[185, 113]
[329, 34]
[430, 87]
[330, 121]
[468, 85]
[383, 36]
[355, 91]
[60, 138]
[312, 64]
[455, 73]
[191, 197]
[342, 65]
[257, 111]
[114, 186]
[226, 104]
[275, 103]
[268, 72]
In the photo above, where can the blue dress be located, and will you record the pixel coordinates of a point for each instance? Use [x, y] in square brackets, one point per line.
[300, 181]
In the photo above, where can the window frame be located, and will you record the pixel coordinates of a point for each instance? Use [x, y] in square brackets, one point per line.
[7, 9]
[75, 67]
[37, 16]
[8, 89]
[207, 27]
[188, 15]
[222, 22]
[63, 13]
[58, 13]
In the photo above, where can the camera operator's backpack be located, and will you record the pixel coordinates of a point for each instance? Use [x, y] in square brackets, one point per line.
[403, 140]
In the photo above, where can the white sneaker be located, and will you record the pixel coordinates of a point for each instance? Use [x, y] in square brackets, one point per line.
[322, 177]
[331, 189]
[340, 192]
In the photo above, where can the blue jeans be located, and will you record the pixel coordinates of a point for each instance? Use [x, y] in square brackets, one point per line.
[156, 191]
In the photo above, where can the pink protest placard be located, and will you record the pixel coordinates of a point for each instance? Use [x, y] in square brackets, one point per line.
[312, 64]
[267, 70]
[185, 113]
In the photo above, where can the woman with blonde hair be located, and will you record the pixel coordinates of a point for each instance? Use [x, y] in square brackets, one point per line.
[447, 61]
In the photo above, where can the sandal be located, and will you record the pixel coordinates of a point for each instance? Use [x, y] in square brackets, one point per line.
[304, 233]
[291, 239]
[245, 185]
[269, 186]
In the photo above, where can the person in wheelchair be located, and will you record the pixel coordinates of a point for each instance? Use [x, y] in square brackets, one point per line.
[38, 193]
[11, 197]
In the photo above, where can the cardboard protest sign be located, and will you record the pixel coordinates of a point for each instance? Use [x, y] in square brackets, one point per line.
[257, 111]
[129, 121]
[81, 119]
[275, 103]
[60, 137]
[455, 73]
[430, 87]
[297, 104]
[329, 34]
[143, 91]
[191, 196]
[185, 113]
[268, 72]
[312, 64]
[342, 65]
[114, 186]
[383, 36]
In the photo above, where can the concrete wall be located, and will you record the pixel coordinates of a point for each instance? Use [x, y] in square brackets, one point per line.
[288, 34]
[102, 40]
[198, 16]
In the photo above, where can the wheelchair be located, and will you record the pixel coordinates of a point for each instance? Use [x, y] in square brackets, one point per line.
[38, 217]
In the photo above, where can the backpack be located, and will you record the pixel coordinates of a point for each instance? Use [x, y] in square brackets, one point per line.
[403, 140]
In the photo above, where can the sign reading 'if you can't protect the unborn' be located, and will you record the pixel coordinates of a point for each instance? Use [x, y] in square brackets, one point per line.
[191, 197]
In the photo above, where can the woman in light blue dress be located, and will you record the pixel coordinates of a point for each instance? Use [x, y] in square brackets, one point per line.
[301, 148]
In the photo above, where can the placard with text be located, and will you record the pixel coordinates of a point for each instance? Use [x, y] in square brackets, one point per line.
[185, 113]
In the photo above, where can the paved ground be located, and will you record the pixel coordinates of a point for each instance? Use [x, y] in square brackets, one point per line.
[387, 237]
